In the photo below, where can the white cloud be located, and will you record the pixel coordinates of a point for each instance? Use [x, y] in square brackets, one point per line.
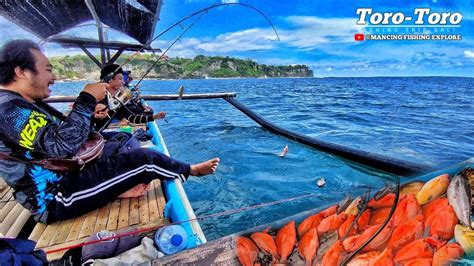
[310, 32]
[229, 1]
[306, 33]
[240, 41]
[469, 54]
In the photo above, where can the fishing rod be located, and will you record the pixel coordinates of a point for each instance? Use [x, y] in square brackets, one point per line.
[121, 101]
[200, 12]
[124, 95]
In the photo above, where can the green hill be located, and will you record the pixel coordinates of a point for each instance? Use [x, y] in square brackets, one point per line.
[81, 67]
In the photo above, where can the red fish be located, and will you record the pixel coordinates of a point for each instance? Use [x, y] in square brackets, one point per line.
[418, 249]
[308, 245]
[419, 262]
[385, 259]
[331, 223]
[349, 242]
[329, 211]
[363, 221]
[407, 208]
[441, 224]
[385, 201]
[266, 243]
[246, 250]
[334, 255]
[364, 258]
[446, 254]
[285, 240]
[430, 207]
[344, 229]
[379, 216]
[308, 223]
[378, 243]
[407, 233]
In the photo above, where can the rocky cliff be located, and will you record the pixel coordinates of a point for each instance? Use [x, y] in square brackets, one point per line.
[81, 67]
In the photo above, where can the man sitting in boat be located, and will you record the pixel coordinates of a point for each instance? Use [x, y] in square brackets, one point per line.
[113, 75]
[135, 105]
[30, 130]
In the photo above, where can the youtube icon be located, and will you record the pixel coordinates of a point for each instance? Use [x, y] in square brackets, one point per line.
[359, 37]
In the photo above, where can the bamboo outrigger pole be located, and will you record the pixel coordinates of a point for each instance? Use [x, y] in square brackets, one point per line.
[158, 97]
[384, 163]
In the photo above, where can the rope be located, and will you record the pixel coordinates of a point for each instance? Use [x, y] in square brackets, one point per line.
[213, 215]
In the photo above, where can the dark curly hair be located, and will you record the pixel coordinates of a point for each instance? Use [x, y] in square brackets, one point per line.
[16, 53]
[109, 71]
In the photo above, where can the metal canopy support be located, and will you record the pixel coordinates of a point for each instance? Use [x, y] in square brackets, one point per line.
[116, 55]
[107, 50]
[100, 31]
[91, 56]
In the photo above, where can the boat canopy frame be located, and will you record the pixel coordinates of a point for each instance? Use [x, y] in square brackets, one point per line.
[48, 19]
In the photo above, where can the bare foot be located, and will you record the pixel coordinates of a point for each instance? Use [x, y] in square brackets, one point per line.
[137, 191]
[205, 168]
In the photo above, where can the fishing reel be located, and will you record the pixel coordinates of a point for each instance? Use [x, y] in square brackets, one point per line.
[121, 97]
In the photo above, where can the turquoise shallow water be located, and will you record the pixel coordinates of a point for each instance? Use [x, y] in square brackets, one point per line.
[426, 120]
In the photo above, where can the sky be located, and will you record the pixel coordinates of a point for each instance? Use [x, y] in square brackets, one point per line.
[319, 34]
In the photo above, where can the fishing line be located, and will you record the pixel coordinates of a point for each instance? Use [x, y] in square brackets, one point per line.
[199, 218]
[167, 49]
[200, 13]
[146, 72]
[178, 23]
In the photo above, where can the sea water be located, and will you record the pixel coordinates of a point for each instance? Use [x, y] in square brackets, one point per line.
[426, 120]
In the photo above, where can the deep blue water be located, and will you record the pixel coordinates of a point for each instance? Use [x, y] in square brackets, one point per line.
[425, 120]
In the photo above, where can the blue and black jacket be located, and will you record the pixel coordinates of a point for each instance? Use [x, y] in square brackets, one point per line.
[36, 131]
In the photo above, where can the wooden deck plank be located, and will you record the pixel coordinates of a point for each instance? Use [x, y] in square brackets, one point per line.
[37, 232]
[18, 224]
[89, 224]
[76, 228]
[6, 198]
[113, 215]
[57, 255]
[4, 188]
[6, 209]
[152, 203]
[47, 235]
[62, 232]
[143, 209]
[160, 198]
[102, 218]
[134, 217]
[123, 213]
[10, 218]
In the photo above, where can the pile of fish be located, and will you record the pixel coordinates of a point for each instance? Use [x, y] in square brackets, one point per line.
[429, 225]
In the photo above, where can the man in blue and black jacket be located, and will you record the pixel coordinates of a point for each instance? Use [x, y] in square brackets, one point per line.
[31, 129]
